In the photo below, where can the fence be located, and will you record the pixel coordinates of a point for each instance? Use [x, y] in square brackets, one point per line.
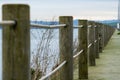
[92, 37]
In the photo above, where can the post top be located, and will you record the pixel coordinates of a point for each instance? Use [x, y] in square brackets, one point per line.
[82, 20]
[65, 16]
[15, 5]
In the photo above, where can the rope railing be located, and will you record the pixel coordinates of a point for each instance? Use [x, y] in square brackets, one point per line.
[47, 26]
[99, 38]
[95, 41]
[95, 26]
[52, 72]
[79, 26]
[54, 26]
[60, 66]
[8, 22]
[63, 63]
[90, 45]
[78, 54]
[89, 26]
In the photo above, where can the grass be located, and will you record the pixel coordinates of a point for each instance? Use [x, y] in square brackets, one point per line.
[108, 66]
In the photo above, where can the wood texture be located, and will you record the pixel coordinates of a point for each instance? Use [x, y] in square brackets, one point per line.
[66, 47]
[92, 54]
[83, 58]
[16, 43]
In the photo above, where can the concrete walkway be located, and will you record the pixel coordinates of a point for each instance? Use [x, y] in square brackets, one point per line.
[108, 66]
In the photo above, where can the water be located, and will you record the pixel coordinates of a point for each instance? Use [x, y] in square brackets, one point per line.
[35, 39]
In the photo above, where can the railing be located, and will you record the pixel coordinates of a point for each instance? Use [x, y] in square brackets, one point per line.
[92, 38]
[48, 26]
[7, 23]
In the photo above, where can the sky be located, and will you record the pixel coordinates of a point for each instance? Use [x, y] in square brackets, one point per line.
[79, 9]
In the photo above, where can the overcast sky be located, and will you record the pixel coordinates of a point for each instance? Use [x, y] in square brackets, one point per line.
[79, 9]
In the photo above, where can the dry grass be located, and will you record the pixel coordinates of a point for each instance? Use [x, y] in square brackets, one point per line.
[43, 55]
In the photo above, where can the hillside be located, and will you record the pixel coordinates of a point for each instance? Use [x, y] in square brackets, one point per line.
[112, 23]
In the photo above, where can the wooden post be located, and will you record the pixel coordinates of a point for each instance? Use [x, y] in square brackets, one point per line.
[16, 43]
[83, 58]
[101, 36]
[96, 41]
[92, 53]
[66, 47]
[107, 35]
[104, 34]
[104, 30]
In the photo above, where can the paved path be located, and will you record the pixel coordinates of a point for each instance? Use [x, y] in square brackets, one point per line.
[108, 66]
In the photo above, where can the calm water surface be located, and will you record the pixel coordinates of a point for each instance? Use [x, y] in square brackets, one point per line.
[34, 41]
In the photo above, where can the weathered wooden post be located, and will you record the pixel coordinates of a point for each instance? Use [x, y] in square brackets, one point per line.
[92, 54]
[110, 32]
[66, 47]
[83, 58]
[96, 40]
[101, 37]
[16, 43]
[107, 35]
[104, 35]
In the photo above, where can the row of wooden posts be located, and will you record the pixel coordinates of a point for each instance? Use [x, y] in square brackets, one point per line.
[93, 33]
[16, 44]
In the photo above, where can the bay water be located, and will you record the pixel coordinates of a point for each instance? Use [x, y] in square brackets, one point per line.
[34, 40]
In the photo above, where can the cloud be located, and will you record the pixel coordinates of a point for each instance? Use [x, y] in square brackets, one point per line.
[49, 8]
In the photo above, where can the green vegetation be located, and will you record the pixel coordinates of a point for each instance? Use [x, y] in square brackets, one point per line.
[118, 33]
